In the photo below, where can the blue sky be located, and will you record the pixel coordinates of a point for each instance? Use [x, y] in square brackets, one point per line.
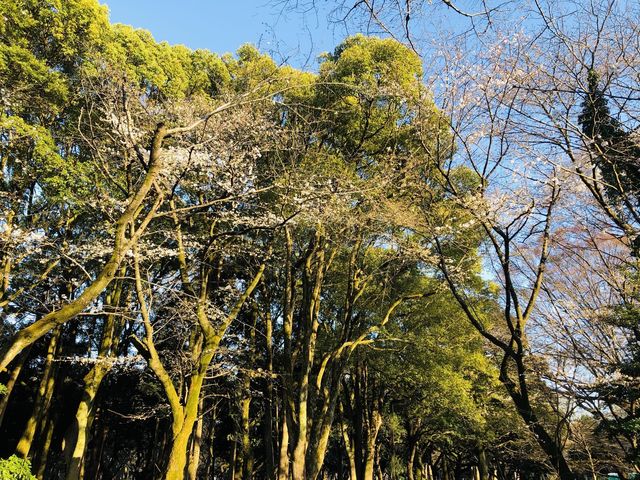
[224, 25]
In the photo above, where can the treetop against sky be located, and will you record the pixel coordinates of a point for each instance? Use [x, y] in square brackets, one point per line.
[222, 26]
[293, 36]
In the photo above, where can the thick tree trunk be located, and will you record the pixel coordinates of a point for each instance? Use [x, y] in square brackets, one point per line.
[520, 398]
[78, 435]
[196, 444]
[348, 447]
[177, 464]
[39, 463]
[321, 432]
[483, 464]
[411, 462]
[369, 464]
[283, 462]
[178, 456]
[370, 456]
[298, 462]
[43, 399]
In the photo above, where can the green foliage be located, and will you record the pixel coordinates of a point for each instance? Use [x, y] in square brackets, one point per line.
[615, 150]
[34, 86]
[447, 371]
[14, 468]
[163, 71]
[251, 64]
[156, 67]
[622, 391]
[34, 154]
[43, 47]
[371, 85]
[59, 32]
[3, 390]
[208, 73]
[371, 63]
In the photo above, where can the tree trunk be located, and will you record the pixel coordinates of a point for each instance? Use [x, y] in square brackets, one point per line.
[300, 451]
[77, 440]
[348, 447]
[420, 469]
[185, 417]
[43, 398]
[244, 470]
[446, 469]
[283, 462]
[176, 467]
[312, 285]
[371, 445]
[378, 466]
[11, 382]
[243, 460]
[411, 462]
[233, 460]
[521, 400]
[211, 465]
[40, 459]
[429, 471]
[182, 430]
[196, 443]
[268, 412]
[93, 461]
[329, 394]
[483, 464]
[362, 404]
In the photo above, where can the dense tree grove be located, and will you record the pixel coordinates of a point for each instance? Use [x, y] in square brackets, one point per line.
[394, 266]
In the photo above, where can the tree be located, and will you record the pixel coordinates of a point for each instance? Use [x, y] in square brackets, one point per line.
[217, 266]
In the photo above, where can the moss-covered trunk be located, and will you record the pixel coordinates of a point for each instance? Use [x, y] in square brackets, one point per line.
[78, 434]
[196, 444]
[43, 397]
[176, 467]
[177, 464]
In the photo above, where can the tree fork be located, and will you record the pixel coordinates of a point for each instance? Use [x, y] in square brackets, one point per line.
[39, 328]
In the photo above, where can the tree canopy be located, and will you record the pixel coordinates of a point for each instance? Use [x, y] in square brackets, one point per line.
[390, 267]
